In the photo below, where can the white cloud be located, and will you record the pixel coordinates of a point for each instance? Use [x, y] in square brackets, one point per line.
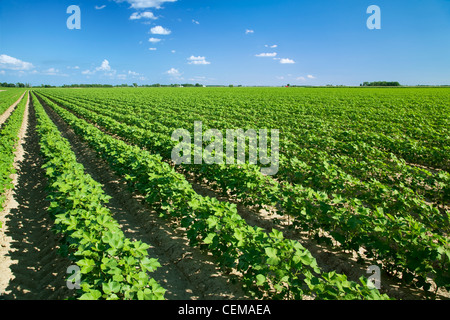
[74, 68]
[310, 76]
[154, 40]
[51, 72]
[143, 15]
[2, 72]
[132, 73]
[174, 73]
[104, 67]
[300, 78]
[144, 4]
[160, 30]
[272, 47]
[195, 21]
[266, 55]
[198, 60]
[10, 63]
[287, 61]
[100, 7]
[152, 49]
[173, 51]
[249, 31]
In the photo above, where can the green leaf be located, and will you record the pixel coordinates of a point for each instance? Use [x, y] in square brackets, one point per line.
[210, 238]
[150, 264]
[260, 280]
[91, 295]
[86, 265]
[111, 287]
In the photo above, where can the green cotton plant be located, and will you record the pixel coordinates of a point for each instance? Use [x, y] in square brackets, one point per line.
[214, 225]
[314, 207]
[112, 267]
[9, 137]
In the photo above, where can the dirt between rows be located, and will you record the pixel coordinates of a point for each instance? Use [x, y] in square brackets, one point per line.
[186, 273]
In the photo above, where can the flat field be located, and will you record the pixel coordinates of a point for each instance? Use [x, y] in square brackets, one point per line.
[357, 208]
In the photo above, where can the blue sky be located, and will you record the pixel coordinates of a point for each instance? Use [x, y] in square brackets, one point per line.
[244, 42]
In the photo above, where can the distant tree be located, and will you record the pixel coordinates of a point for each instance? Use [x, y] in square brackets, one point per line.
[381, 84]
[135, 85]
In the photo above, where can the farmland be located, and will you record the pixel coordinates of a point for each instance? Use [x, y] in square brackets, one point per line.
[363, 180]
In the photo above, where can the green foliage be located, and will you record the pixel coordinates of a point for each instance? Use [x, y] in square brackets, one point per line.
[112, 267]
[9, 137]
[272, 266]
[348, 176]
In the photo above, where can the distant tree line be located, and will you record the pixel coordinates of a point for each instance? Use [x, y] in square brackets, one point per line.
[381, 84]
[127, 85]
[16, 85]
[173, 85]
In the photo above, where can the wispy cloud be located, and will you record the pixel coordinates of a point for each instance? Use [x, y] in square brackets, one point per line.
[53, 72]
[144, 4]
[266, 55]
[272, 47]
[100, 7]
[143, 15]
[198, 60]
[195, 21]
[310, 76]
[154, 40]
[248, 31]
[287, 61]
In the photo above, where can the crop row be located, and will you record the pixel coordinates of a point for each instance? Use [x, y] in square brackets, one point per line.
[111, 266]
[8, 98]
[410, 128]
[9, 136]
[311, 143]
[402, 243]
[272, 266]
